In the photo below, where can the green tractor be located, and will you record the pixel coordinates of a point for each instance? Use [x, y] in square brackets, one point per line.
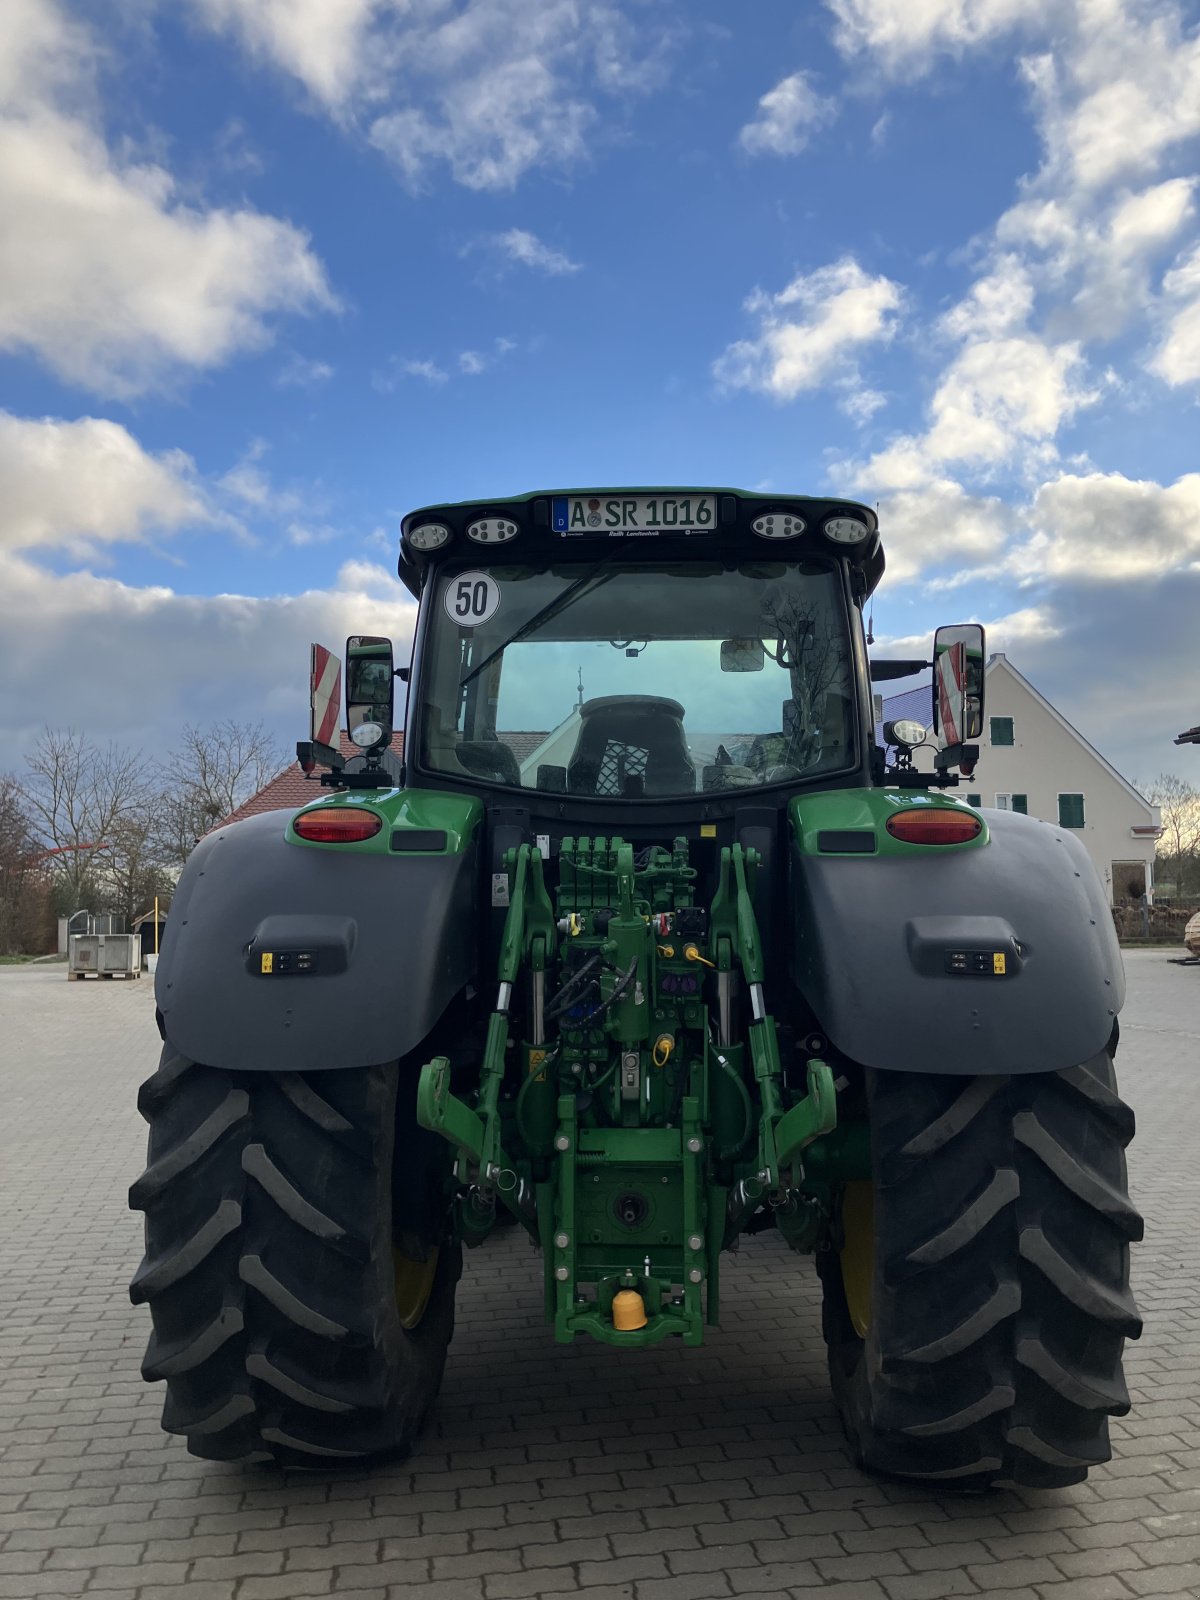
[654, 942]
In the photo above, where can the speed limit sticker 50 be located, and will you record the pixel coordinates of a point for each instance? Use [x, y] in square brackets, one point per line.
[471, 598]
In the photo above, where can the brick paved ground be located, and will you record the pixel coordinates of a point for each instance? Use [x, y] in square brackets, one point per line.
[658, 1475]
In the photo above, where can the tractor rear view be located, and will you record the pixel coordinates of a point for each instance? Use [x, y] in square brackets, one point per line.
[655, 943]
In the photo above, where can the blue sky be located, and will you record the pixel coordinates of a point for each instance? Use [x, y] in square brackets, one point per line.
[273, 272]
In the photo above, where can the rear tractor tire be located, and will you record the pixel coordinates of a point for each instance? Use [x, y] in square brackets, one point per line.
[976, 1291]
[298, 1271]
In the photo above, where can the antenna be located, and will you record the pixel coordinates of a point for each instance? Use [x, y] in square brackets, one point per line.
[579, 702]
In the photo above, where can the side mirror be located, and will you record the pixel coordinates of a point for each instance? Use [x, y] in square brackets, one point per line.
[742, 655]
[369, 691]
[958, 659]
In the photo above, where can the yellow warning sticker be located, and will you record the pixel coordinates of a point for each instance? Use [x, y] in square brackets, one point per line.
[708, 830]
[998, 966]
[268, 961]
[537, 1062]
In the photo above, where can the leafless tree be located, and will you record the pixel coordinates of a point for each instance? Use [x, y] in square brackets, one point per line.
[1179, 847]
[212, 772]
[26, 917]
[81, 799]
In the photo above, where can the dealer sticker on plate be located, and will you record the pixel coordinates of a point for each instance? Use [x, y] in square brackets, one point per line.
[633, 516]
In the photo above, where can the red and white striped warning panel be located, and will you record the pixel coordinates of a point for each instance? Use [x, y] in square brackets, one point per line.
[326, 686]
[952, 690]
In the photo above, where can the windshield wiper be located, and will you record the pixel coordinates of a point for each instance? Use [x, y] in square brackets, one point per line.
[550, 609]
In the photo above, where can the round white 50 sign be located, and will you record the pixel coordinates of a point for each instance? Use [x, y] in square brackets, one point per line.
[471, 598]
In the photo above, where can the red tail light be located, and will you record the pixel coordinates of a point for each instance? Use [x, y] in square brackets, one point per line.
[937, 825]
[338, 825]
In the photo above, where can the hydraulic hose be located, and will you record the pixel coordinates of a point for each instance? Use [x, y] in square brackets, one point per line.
[727, 1152]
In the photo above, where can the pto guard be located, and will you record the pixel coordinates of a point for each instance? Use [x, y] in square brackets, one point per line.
[899, 963]
[386, 934]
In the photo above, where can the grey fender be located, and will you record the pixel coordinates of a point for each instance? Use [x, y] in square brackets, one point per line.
[878, 941]
[390, 937]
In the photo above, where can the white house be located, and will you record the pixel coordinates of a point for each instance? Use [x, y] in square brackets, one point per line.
[1031, 759]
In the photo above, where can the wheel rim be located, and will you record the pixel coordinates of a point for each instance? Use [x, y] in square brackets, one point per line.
[858, 1252]
[414, 1285]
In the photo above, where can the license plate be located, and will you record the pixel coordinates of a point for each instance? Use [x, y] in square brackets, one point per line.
[633, 516]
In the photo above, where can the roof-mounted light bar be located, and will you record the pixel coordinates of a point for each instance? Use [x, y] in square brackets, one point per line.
[778, 525]
[492, 530]
[846, 530]
[428, 536]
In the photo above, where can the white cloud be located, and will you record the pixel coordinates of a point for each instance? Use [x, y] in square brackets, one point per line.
[256, 494]
[999, 394]
[906, 36]
[998, 303]
[428, 370]
[1177, 360]
[489, 131]
[787, 115]
[489, 89]
[303, 534]
[812, 330]
[1092, 257]
[1118, 93]
[324, 43]
[471, 363]
[75, 485]
[190, 656]
[860, 405]
[939, 524]
[301, 372]
[998, 399]
[524, 247]
[1107, 528]
[105, 274]
[1007, 633]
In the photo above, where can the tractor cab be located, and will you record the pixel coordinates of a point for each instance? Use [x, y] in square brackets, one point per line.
[652, 645]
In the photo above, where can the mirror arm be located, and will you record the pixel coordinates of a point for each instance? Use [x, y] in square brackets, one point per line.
[962, 756]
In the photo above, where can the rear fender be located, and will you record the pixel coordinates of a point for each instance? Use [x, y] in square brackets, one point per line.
[390, 934]
[880, 931]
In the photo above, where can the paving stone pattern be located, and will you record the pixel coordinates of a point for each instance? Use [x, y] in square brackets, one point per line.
[548, 1471]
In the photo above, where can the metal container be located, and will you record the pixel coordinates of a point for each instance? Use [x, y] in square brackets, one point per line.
[104, 955]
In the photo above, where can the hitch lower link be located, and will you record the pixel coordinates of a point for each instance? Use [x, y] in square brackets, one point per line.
[782, 1135]
[528, 936]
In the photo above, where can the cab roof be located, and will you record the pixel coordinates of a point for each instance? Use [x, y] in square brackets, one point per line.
[633, 522]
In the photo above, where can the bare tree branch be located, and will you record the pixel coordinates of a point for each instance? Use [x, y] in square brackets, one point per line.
[79, 796]
[212, 772]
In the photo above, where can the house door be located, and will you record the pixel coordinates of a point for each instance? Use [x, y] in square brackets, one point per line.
[1128, 880]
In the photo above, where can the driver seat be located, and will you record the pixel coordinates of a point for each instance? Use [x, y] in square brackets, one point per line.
[629, 745]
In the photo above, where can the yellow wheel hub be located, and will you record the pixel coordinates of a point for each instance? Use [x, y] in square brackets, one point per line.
[858, 1252]
[414, 1285]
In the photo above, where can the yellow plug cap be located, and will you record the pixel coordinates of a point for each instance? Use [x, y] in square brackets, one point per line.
[629, 1311]
[691, 953]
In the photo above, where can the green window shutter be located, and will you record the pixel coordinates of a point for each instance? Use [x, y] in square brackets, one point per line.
[1020, 802]
[975, 800]
[1001, 730]
[1070, 811]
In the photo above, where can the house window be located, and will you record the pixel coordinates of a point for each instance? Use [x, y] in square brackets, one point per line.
[1013, 802]
[1070, 811]
[975, 800]
[1001, 730]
